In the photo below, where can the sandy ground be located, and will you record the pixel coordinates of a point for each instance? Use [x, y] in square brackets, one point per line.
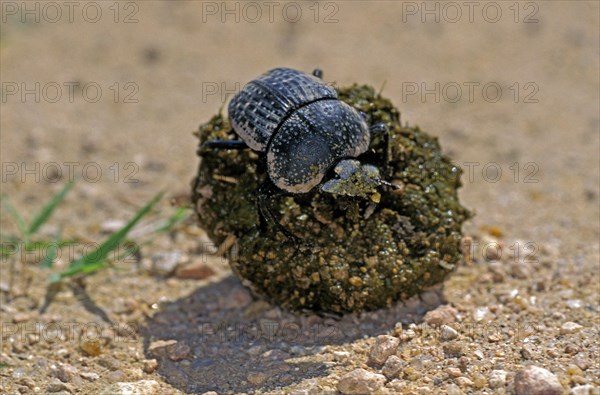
[112, 93]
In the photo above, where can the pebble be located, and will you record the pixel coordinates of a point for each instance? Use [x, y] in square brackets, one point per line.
[256, 378]
[526, 351]
[340, 355]
[58, 386]
[448, 333]
[275, 354]
[19, 373]
[111, 225]
[464, 381]
[385, 345]
[587, 389]
[146, 387]
[298, 350]
[117, 375]
[125, 305]
[28, 382]
[198, 270]
[396, 385]
[360, 381]
[582, 361]
[21, 317]
[453, 389]
[443, 315]
[164, 263]
[520, 270]
[90, 376]
[150, 365]
[534, 380]
[454, 372]
[453, 350]
[480, 313]
[92, 347]
[569, 327]
[393, 367]
[158, 346]
[110, 363]
[307, 387]
[178, 351]
[497, 379]
[66, 372]
[574, 303]
[497, 271]
[255, 350]
[572, 349]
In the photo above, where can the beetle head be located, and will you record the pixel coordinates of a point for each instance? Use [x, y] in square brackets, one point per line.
[352, 178]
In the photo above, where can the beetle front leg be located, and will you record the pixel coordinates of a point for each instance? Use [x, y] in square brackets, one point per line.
[267, 194]
[381, 128]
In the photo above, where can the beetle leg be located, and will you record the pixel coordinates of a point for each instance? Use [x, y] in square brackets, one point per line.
[381, 128]
[222, 144]
[267, 193]
[318, 73]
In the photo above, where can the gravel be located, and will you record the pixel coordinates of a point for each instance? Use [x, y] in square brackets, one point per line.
[384, 346]
[146, 387]
[534, 380]
[448, 333]
[569, 327]
[497, 378]
[443, 315]
[360, 381]
[393, 367]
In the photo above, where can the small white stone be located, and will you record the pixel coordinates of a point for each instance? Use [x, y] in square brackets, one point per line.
[111, 225]
[480, 313]
[448, 333]
[570, 327]
[587, 389]
[165, 263]
[146, 387]
[340, 355]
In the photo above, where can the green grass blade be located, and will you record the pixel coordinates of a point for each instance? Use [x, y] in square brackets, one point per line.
[180, 215]
[47, 210]
[96, 259]
[15, 214]
[162, 225]
[52, 251]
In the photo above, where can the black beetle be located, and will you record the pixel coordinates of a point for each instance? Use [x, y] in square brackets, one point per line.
[304, 131]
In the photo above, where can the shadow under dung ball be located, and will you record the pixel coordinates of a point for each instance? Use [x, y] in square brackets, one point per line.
[361, 255]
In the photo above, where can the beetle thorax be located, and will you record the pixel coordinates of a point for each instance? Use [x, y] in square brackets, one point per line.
[312, 140]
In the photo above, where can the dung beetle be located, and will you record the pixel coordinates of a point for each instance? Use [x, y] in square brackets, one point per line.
[306, 135]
